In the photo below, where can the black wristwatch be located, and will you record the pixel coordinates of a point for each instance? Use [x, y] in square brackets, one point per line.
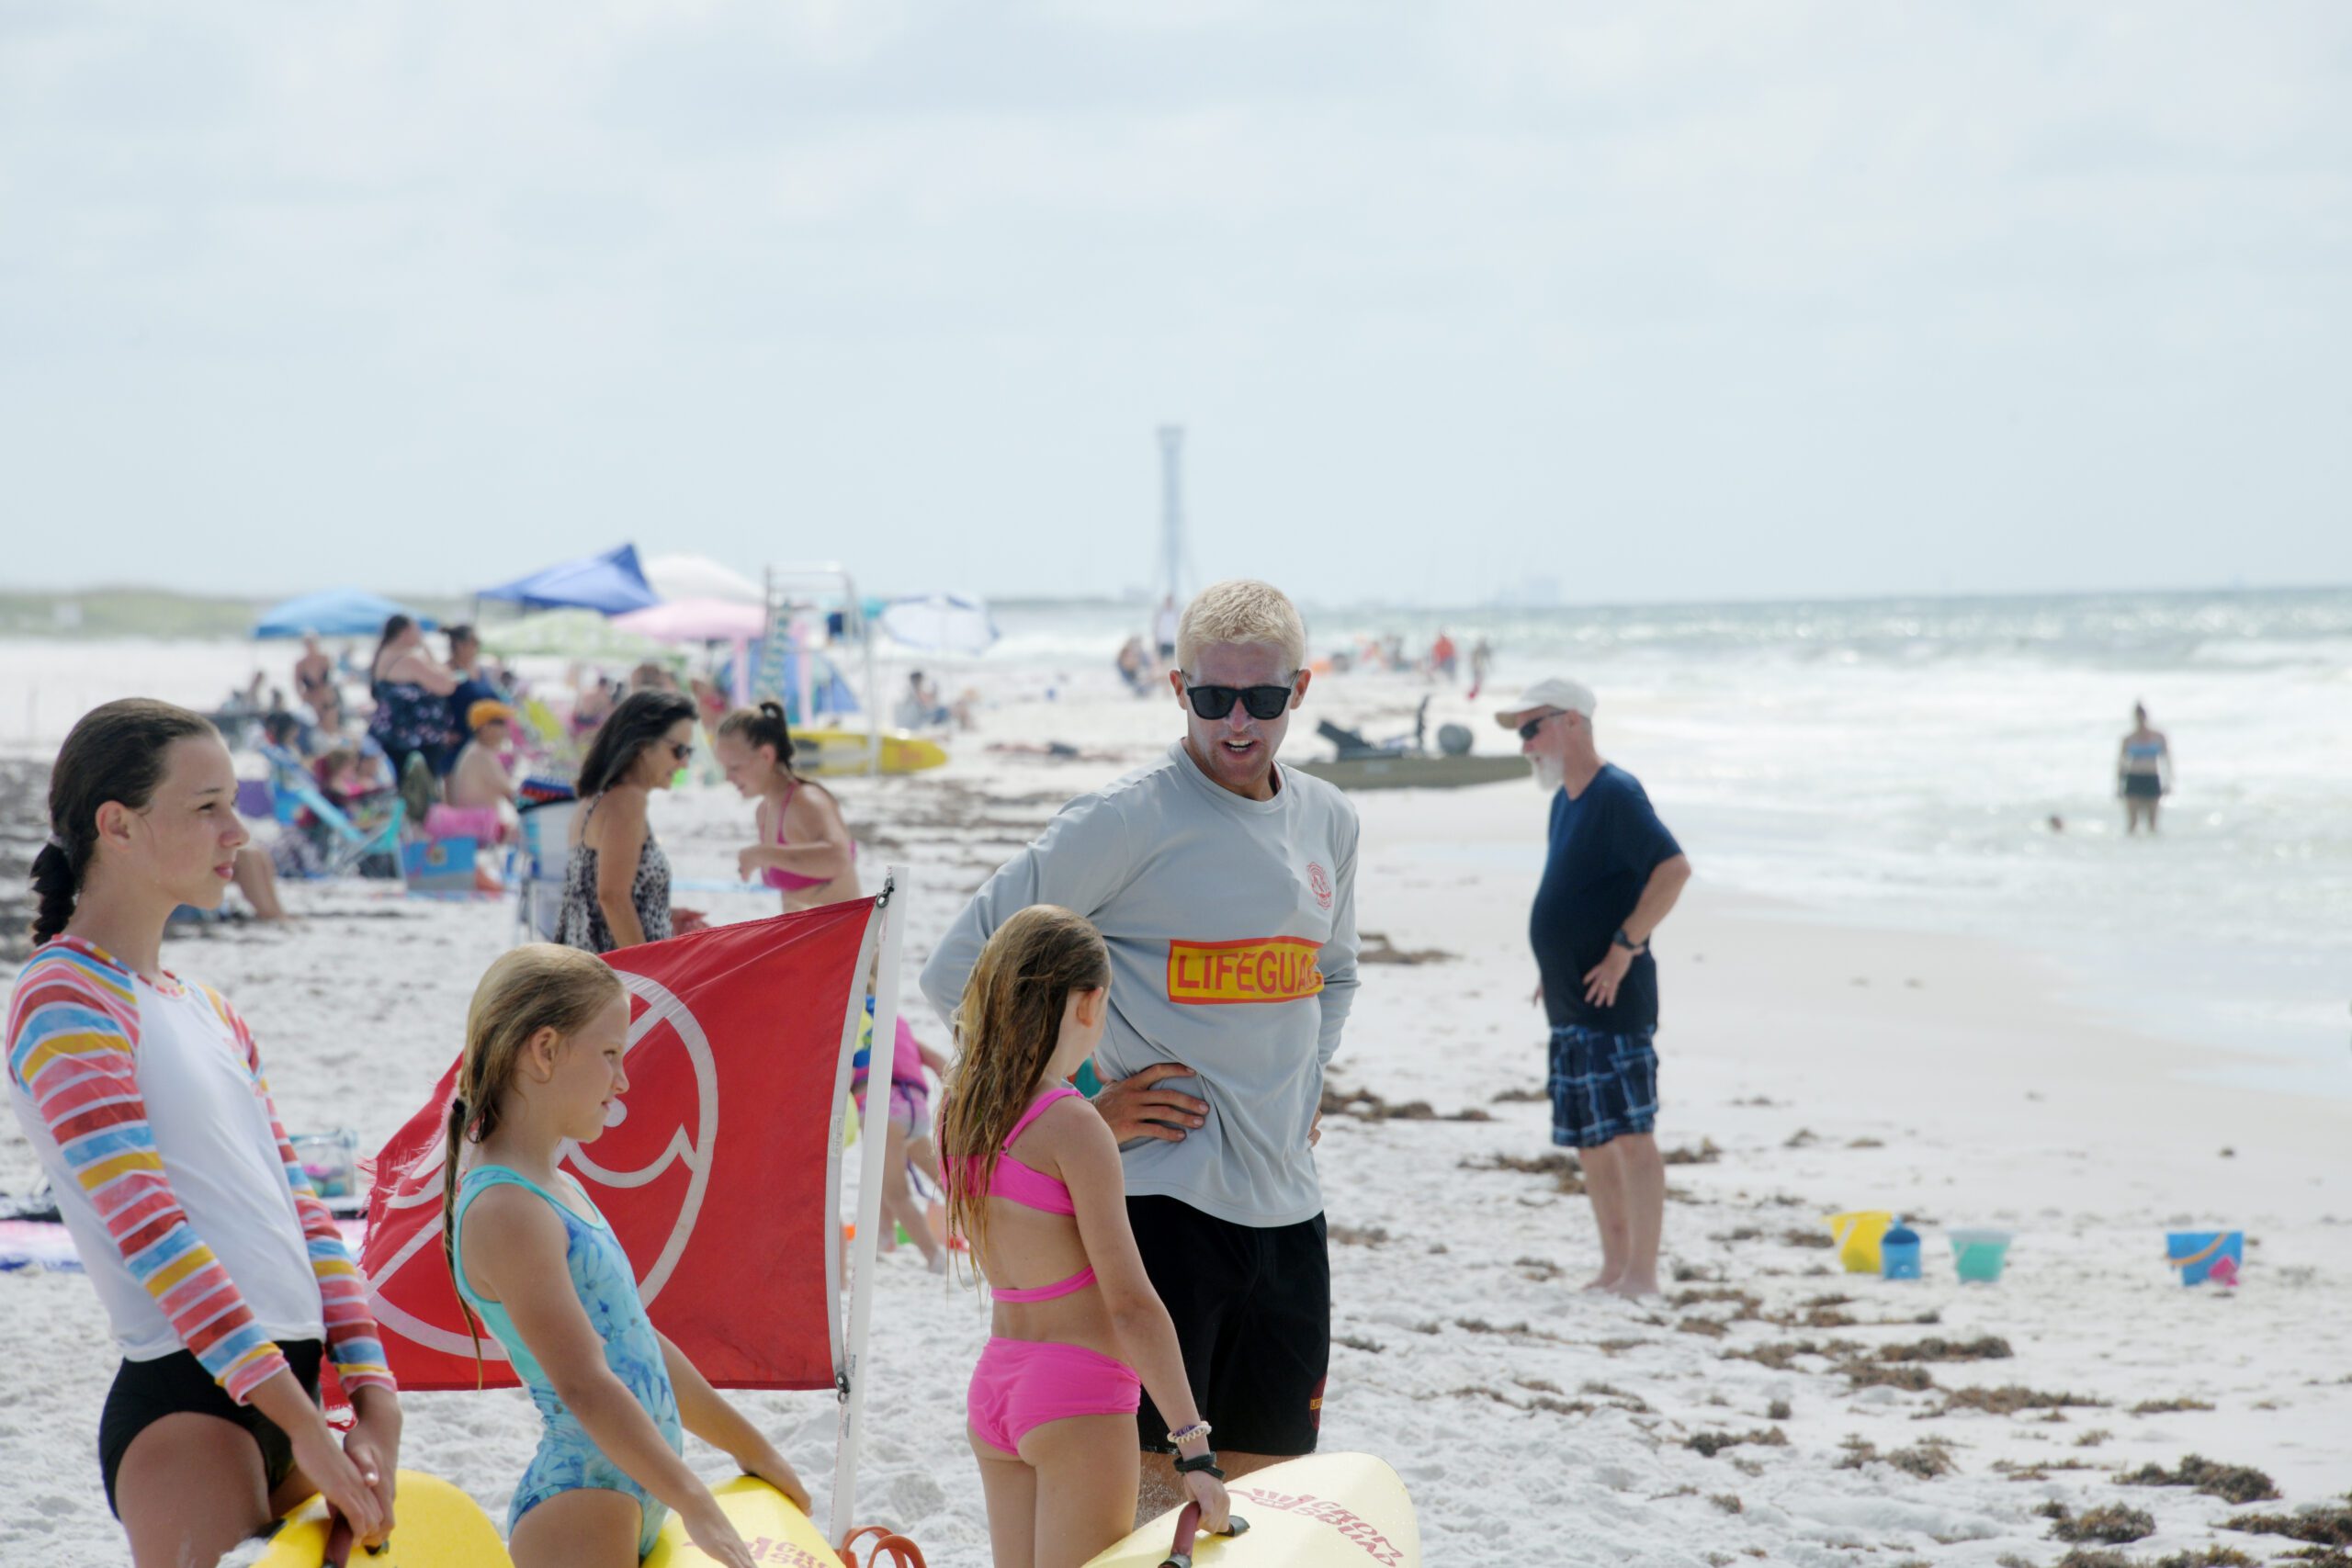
[1206, 1461]
[1628, 943]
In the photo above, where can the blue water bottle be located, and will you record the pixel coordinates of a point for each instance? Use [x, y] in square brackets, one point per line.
[1899, 1253]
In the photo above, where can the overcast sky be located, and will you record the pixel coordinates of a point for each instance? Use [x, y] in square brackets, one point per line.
[1661, 302]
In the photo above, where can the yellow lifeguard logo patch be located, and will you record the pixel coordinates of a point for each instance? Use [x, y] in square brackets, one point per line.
[1255, 969]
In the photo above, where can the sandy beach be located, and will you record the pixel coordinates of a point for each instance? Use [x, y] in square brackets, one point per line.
[1767, 1408]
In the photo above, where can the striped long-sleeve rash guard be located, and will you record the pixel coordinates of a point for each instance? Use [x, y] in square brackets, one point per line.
[147, 1107]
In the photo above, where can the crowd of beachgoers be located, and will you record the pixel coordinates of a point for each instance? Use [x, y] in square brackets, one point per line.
[1752, 1396]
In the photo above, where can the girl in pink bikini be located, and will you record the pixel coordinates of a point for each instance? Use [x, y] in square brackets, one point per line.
[803, 851]
[1034, 1183]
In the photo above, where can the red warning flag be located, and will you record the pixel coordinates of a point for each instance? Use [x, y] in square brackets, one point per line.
[719, 1171]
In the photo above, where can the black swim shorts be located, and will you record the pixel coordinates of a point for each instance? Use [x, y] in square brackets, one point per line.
[146, 1392]
[1252, 1310]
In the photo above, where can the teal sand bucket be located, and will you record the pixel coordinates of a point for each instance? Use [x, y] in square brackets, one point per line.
[2206, 1254]
[1978, 1255]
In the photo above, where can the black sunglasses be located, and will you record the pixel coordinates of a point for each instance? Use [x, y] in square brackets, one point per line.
[1527, 731]
[679, 751]
[1216, 702]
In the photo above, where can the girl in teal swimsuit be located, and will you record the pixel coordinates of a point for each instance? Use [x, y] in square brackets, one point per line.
[533, 1260]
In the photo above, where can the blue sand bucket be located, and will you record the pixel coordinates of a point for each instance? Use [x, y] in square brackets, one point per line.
[1899, 1253]
[442, 865]
[2206, 1254]
[1979, 1254]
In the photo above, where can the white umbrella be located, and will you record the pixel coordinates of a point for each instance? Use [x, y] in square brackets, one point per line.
[940, 623]
[699, 577]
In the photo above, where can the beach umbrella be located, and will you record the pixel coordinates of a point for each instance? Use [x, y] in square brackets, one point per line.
[610, 585]
[940, 623]
[334, 612]
[696, 620]
[699, 577]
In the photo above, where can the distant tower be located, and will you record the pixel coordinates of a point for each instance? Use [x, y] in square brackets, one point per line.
[1171, 511]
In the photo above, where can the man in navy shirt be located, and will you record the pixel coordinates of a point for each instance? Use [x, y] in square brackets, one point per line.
[1612, 874]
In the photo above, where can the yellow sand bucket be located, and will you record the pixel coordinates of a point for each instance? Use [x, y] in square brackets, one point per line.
[1858, 1235]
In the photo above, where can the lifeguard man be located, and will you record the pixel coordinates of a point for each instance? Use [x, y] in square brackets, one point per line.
[1224, 885]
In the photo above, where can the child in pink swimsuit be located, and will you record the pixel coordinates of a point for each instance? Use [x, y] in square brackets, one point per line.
[1052, 1404]
[754, 747]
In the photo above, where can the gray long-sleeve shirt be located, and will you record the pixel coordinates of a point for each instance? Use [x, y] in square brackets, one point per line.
[1232, 928]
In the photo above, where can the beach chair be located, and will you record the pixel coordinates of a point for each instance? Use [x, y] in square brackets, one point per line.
[293, 791]
[545, 855]
[547, 733]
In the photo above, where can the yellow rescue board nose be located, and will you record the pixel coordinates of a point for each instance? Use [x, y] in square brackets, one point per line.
[1322, 1511]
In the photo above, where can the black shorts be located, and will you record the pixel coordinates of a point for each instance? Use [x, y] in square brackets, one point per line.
[146, 1392]
[2142, 786]
[1252, 1309]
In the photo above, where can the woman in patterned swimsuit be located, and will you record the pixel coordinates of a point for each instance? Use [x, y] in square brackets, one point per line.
[412, 689]
[616, 889]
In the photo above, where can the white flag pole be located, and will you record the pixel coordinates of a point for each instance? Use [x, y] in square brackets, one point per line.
[862, 1250]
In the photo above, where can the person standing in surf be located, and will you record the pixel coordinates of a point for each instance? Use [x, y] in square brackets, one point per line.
[2142, 771]
[1612, 874]
[1223, 886]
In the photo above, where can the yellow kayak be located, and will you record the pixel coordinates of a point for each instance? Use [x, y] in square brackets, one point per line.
[835, 753]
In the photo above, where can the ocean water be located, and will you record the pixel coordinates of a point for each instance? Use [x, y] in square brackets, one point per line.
[1885, 761]
[1899, 762]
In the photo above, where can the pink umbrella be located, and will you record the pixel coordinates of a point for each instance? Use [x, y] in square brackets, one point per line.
[696, 620]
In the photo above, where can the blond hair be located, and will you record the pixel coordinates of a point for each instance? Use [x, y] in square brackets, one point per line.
[1010, 1020]
[1241, 609]
[534, 986]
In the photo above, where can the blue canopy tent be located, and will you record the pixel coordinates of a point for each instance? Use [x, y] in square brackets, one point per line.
[610, 585]
[336, 612]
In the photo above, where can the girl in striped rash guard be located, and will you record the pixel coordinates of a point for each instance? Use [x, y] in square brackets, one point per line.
[143, 1095]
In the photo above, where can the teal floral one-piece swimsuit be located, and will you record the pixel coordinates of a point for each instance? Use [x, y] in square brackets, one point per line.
[569, 1459]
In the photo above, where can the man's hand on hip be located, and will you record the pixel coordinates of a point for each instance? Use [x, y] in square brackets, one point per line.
[1135, 1108]
[1600, 981]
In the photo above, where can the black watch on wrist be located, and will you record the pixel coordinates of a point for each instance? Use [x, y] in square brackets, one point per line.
[1627, 942]
[1206, 1461]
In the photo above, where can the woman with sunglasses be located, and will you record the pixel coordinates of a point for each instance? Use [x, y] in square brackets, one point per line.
[616, 889]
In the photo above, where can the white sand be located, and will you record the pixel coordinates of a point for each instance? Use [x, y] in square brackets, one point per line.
[1531, 1422]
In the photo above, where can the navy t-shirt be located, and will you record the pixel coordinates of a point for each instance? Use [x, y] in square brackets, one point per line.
[1605, 842]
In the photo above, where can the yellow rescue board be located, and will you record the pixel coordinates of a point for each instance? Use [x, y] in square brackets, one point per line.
[436, 1526]
[776, 1531]
[839, 751]
[1323, 1511]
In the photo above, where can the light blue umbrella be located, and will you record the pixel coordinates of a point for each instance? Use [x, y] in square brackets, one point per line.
[336, 612]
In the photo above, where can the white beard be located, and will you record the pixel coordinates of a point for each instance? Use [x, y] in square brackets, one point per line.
[1551, 774]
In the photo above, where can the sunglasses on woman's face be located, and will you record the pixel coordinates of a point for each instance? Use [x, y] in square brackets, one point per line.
[680, 752]
[1216, 702]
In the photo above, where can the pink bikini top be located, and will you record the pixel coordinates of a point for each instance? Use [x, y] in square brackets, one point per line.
[790, 881]
[1031, 1188]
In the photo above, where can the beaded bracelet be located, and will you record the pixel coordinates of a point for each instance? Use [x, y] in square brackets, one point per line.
[1187, 1434]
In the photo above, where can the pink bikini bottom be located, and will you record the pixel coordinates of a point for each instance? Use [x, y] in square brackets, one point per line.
[1020, 1384]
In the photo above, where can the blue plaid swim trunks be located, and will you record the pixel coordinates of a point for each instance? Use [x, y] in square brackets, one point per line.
[1604, 1086]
